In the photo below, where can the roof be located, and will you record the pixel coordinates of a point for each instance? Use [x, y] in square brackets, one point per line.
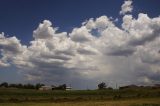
[68, 87]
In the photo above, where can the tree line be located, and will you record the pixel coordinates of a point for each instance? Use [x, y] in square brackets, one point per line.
[100, 86]
[31, 86]
[39, 85]
[23, 86]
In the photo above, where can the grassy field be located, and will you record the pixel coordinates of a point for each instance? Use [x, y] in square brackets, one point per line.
[139, 102]
[130, 97]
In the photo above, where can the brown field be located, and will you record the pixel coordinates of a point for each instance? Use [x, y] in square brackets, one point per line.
[135, 102]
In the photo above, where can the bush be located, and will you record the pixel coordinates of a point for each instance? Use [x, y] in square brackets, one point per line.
[102, 85]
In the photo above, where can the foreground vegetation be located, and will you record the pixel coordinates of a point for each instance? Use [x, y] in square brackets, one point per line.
[14, 95]
[135, 102]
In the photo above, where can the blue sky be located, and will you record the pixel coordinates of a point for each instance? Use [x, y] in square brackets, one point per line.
[21, 17]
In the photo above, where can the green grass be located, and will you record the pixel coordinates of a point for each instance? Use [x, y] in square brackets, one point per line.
[26, 95]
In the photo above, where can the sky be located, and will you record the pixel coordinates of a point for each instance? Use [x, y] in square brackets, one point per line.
[82, 42]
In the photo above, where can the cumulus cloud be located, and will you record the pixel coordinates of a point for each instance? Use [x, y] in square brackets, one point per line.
[10, 49]
[81, 35]
[126, 7]
[44, 30]
[124, 55]
[144, 29]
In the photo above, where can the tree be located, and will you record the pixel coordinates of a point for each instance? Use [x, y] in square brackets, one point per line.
[19, 86]
[63, 87]
[13, 85]
[4, 84]
[38, 85]
[102, 85]
[29, 86]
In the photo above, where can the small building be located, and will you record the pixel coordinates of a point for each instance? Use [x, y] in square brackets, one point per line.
[68, 88]
[44, 88]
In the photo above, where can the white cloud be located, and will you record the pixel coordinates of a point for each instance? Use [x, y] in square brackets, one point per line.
[10, 49]
[44, 30]
[81, 35]
[126, 7]
[143, 30]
